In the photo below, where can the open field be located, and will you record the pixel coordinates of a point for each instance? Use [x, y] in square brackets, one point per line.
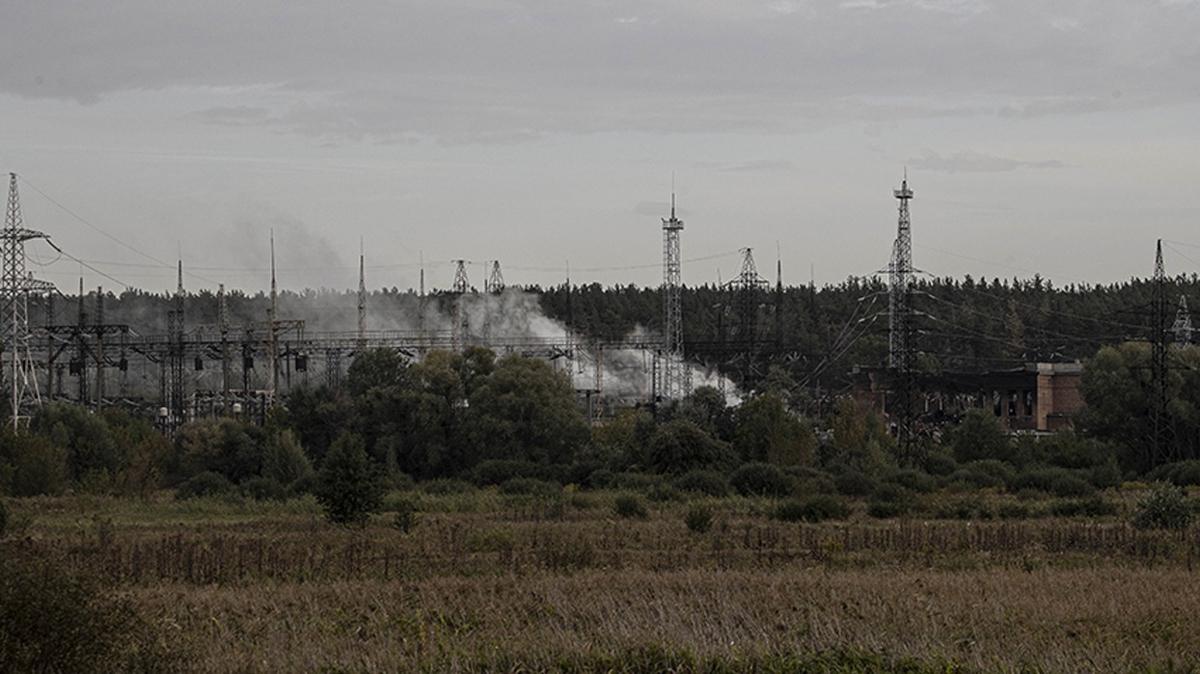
[485, 581]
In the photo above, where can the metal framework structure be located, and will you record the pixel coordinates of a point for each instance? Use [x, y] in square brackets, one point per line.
[495, 281]
[674, 381]
[1182, 327]
[362, 296]
[900, 324]
[747, 291]
[16, 285]
[460, 287]
[1160, 427]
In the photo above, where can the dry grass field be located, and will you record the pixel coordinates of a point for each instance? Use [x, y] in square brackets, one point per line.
[484, 582]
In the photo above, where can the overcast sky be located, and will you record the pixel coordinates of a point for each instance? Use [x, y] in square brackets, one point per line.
[1060, 137]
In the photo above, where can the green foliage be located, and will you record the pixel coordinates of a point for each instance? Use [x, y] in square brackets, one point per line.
[497, 471]
[985, 473]
[349, 486]
[284, 460]
[1057, 481]
[629, 506]
[3, 519]
[768, 432]
[1180, 474]
[87, 439]
[1095, 506]
[760, 479]
[855, 483]
[814, 509]
[679, 446]
[264, 489]
[1165, 507]
[978, 437]
[208, 483]
[965, 508]
[707, 482]
[860, 439]
[227, 446]
[447, 486]
[699, 519]
[914, 480]
[530, 486]
[940, 463]
[54, 621]
[31, 465]
[705, 407]
[404, 513]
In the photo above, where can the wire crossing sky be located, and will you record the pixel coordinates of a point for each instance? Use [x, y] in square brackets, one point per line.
[1056, 137]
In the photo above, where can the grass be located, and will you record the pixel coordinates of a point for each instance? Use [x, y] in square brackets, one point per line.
[485, 581]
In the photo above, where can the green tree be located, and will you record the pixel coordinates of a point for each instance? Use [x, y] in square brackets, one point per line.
[767, 431]
[680, 446]
[349, 486]
[979, 436]
[284, 459]
[860, 440]
[31, 465]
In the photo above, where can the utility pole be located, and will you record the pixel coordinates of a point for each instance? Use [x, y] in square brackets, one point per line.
[746, 289]
[15, 288]
[223, 330]
[175, 348]
[362, 299]
[900, 319]
[272, 330]
[1182, 327]
[673, 378]
[100, 357]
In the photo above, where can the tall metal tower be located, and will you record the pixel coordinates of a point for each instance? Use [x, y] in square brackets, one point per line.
[459, 289]
[175, 350]
[1159, 421]
[1182, 327]
[15, 288]
[273, 329]
[900, 320]
[673, 376]
[223, 329]
[362, 298]
[495, 282]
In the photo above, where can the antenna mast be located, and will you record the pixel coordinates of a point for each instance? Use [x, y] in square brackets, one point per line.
[15, 288]
[674, 381]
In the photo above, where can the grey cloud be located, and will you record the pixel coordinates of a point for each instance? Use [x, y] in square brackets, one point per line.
[465, 72]
[976, 162]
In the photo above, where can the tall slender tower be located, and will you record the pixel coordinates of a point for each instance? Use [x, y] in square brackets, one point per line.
[273, 328]
[15, 287]
[362, 298]
[1159, 422]
[900, 319]
[175, 348]
[672, 368]
[223, 329]
[459, 288]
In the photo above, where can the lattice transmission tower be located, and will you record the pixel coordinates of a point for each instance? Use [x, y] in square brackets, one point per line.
[1182, 327]
[900, 324]
[459, 288]
[673, 374]
[495, 281]
[16, 285]
[1160, 428]
[361, 343]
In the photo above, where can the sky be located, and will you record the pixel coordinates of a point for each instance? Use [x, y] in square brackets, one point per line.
[1060, 138]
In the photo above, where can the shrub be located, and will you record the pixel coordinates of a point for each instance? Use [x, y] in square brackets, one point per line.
[707, 482]
[208, 483]
[661, 491]
[305, 485]
[815, 509]
[1057, 481]
[855, 483]
[1094, 506]
[940, 463]
[1014, 511]
[629, 506]
[601, 478]
[264, 489]
[3, 519]
[349, 486]
[443, 487]
[885, 510]
[404, 516]
[633, 481]
[914, 480]
[529, 486]
[1181, 473]
[965, 509]
[760, 479]
[499, 471]
[1165, 507]
[54, 621]
[699, 519]
[284, 460]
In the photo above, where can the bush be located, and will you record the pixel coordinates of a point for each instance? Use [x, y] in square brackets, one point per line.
[760, 479]
[528, 486]
[1181, 473]
[305, 485]
[1095, 506]
[913, 480]
[284, 460]
[404, 516]
[815, 509]
[940, 464]
[1165, 507]
[1057, 481]
[633, 481]
[885, 510]
[601, 478]
[499, 471]
[855, 483]
[53, 621]
[707, 482]
[1014, 511]
[444, 487]
[661, 491]
[264, 489]
[207, 483]
[349, 486]
[965, 509]
[629, 506]
[699, 519]
[3, 519]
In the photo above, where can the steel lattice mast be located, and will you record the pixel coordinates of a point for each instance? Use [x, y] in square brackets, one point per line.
[460, 288]
[673, 375]
[1182, 327]
[16, 285]
[900, 319]
[1160, 429]
[362, 298]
